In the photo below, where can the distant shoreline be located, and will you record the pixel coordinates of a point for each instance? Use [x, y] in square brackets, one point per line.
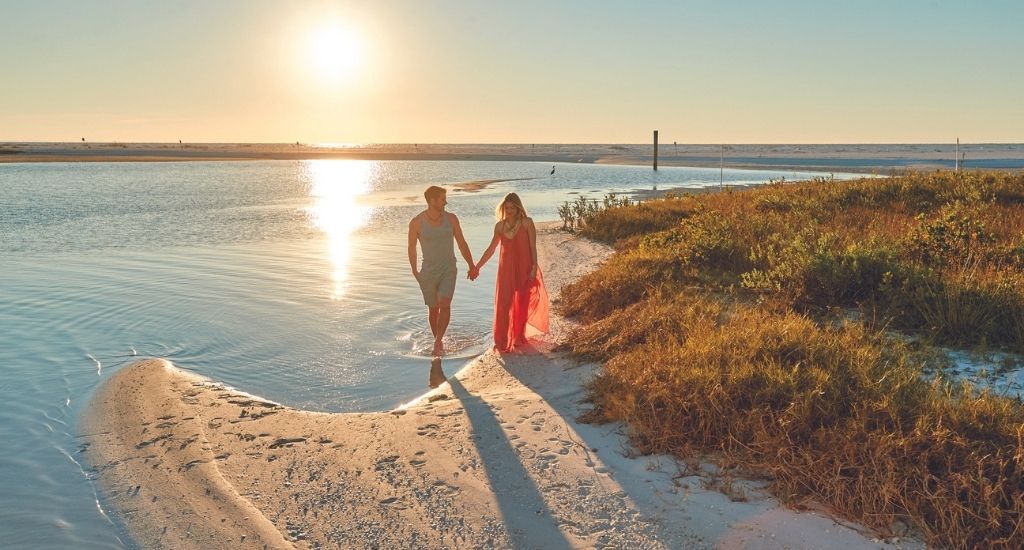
[837, 157]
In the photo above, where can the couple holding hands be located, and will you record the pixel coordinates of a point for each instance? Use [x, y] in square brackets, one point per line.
[520, 301]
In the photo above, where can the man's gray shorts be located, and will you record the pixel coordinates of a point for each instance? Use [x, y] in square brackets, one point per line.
[437, 284]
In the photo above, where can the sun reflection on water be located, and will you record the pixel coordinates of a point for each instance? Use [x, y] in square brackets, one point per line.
[335, 186]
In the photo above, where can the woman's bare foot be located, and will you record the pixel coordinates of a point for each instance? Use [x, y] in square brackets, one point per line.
[438, 348]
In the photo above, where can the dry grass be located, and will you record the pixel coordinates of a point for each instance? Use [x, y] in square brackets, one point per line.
[717, 339]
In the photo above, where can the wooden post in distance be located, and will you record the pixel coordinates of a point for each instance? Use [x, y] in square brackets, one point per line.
[655, 150]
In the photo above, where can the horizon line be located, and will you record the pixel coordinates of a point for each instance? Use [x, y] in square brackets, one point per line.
[339, 145]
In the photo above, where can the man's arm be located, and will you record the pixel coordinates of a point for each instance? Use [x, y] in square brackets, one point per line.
[463, 246]
[414, 230]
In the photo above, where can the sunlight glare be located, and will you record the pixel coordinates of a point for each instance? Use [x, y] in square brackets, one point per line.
[336, 186]
[336, 52]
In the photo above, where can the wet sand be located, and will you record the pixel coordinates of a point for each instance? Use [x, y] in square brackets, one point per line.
[491, 458]
[480, 185]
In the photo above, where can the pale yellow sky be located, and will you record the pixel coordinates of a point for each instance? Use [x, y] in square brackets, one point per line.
[461, 71]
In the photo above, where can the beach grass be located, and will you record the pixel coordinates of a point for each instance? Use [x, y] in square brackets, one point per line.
[757, 327]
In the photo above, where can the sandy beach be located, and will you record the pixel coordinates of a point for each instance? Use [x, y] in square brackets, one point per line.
[493, 457]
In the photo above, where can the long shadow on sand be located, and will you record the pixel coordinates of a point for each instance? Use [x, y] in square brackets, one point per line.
[529, 520]
[648, 484]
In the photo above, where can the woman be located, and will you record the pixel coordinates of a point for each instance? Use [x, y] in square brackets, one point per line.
[520, 301]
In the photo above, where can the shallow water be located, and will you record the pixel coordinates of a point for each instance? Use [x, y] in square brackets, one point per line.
[286, 279]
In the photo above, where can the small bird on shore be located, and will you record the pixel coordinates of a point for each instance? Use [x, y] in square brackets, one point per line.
[552, 169]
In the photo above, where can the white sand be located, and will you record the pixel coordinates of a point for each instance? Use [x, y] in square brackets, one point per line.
[491, 458]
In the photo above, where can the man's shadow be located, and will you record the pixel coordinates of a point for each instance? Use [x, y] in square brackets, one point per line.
[527, 516]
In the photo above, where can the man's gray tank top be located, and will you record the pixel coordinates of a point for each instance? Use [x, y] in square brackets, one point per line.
[437, 244]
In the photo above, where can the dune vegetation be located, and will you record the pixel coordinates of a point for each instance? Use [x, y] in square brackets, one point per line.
[787, 331]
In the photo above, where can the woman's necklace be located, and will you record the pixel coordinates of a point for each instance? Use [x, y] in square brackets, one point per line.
[509, 230]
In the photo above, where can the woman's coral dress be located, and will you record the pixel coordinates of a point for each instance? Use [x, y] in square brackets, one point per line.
[520, 303]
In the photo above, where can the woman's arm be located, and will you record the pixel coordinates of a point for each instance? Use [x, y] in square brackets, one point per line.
[490, 248]
[532, 232]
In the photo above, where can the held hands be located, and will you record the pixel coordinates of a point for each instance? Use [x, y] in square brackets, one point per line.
[474, 272]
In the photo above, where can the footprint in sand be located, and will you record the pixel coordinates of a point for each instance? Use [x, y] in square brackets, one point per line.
[554, 487]
[286, 442]
[152, 441]
[566, 446]
[386, 462]
[546, 459]
[546, 454]
[193, 463]
[584, 490]
[426, 429]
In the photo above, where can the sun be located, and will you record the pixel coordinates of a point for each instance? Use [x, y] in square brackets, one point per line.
[335, 52]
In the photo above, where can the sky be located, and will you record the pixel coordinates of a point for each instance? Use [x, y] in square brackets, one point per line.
[522, 71]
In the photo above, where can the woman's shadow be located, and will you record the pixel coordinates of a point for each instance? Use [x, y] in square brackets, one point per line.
[523, 509]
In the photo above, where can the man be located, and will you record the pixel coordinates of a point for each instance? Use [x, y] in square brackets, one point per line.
[436, 230]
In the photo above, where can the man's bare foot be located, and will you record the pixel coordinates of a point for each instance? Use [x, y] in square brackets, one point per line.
[438, 348]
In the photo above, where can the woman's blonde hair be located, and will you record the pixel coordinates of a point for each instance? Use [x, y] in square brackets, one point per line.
[513, 198]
